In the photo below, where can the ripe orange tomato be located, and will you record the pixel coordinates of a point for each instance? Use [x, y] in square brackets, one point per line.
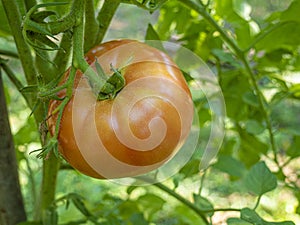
[136, 132]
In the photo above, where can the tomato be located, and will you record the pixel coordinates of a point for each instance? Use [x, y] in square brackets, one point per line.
[136, 132]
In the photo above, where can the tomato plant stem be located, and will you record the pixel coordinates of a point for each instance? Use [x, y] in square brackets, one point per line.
[91, 27]
[262, 101]
[62, 57]
[105, 16]
[15, 20]
[12, 76]
[257, 202]
[186, 202]
[242, 56]
[9, 53]
[50, 170]
[30, 3]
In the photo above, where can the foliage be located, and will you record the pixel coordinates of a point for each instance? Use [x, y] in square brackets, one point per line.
[255, 55]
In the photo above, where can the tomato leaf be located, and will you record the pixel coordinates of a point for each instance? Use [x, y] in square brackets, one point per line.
[251, 148]
[294, 149]
[150, 204]
[4, 25]
[138, 218]
[277, 38]
[251, 99]
[260, 179]
[230, 165]
[151, 33]
[153, 39]
[252, 217]
[237, 221]
[292, 13]
[254, 127]
[203, 204]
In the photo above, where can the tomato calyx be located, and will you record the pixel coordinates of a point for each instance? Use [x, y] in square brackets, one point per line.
[113, 84]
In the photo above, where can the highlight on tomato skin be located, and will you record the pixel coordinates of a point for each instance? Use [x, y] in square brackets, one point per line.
[136, 132]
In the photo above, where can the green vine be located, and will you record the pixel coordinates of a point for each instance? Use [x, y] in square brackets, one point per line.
[241, 54]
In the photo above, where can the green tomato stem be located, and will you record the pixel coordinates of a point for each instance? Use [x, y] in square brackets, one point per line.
[171, 192]
[9, 53]
[14, 19]
[105, 16]
[91, 26]
[241, 54]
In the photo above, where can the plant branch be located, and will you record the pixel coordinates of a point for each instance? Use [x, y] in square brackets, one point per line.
[171, 192]
[262, 101]
[91, 28]
[51, 164]
[14, 19]
[62, 56]
[183, 200]
[12, 76]
[53, 27]
[9, 53]
[105, 16]
[242, 56]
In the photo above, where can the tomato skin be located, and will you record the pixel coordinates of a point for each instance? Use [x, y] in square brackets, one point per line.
[106, 139]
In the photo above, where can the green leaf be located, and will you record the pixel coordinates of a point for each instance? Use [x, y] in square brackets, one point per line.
[79, 204]
[250, 148]
[138, 218]
[226, 57]
[254, 127]
[151, 33]
[234, 84]
[230, 165]
[237, 221]
[170, 19]
[153, 39]
[292, 13]
[242, 8]
[260, 179]
[252, 217]
[128, 208]
[130, 189]
[30, 223]
[185, 216]
[251, 99]
[298, 207]
[150, 204]
[278, 37]
[191, 168]
[294, 149]
[236, 12]
[27, 134]
[4, 25]
[203, 204]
